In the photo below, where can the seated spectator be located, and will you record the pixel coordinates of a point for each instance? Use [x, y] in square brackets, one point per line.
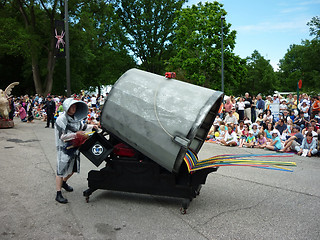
[211, 133]
[216, 122]
[244, 135]
[230, 118]
[230, 138]
[290, 125]
[308, 146]
[293, 143]
[240, 128]
[246, 120]
[291, 115]
[255, 129]
[250, 141]
[314, 125]
[261, 141]
[259, 118]
[311, 130]
[285, 115]
[275, 145]
[222, 131]
[300, 120]
[280, 126]
[268, 116]
[260, 123]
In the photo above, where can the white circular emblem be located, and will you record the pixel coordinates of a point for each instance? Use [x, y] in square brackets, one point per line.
[97, 149]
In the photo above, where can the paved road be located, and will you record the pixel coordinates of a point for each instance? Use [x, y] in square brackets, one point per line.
[235, 203]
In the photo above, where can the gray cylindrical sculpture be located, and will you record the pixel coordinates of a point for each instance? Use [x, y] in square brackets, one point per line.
[160, 117]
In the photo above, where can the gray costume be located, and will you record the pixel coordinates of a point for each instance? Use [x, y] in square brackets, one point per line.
[68, 161]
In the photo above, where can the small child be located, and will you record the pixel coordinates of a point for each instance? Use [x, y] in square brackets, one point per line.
[250, 140]
[244, 135]
[222, 131]
[275, 144]
[261, 141]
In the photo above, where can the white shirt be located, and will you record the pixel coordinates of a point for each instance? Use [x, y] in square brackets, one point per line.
[241, 105]
[93, 100]
[230, 137]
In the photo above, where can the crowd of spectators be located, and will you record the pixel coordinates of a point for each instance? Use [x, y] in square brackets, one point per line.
[249, 121]
[28, 108]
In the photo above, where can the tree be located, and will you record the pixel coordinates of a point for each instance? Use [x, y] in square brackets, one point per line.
[303, 62]
[197, 42]
[38, 20]
[148, 26]
[97, 51]
[260, 75]
[314, 27]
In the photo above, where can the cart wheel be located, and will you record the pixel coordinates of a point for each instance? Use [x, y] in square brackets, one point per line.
[183, 211]
[185, 205]
[198, 190]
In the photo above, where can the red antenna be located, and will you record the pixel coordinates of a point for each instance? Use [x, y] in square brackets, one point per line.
[170, 75]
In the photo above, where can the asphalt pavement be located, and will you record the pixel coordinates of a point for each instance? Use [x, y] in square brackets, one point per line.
[235, 203]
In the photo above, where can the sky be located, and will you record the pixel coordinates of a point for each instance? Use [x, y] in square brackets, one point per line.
[268, 26]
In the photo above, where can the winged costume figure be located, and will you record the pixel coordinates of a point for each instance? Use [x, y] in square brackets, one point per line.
[4, 103]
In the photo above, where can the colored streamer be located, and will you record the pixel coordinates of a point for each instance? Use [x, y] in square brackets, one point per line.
[244, 160]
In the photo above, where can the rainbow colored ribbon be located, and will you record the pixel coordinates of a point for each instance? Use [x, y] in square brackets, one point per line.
[245, 160]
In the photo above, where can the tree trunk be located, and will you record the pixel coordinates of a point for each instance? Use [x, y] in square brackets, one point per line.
[36, 73]
[50, 67]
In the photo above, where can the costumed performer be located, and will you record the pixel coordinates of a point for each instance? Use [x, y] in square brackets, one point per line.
[69, 125]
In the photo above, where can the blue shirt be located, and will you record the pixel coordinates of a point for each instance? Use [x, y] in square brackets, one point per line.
[278, 143]
[260, 104]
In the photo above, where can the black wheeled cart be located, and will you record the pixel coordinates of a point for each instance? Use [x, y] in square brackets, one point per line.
[139, 174]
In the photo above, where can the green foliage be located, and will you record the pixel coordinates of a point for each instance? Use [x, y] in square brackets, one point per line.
[314, 26]
[148, 26]
[301, 62]
[107, 37]
[97, 53]
[197, 42]
[260, 76]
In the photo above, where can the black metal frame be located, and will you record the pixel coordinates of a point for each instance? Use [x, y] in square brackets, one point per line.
[140, 174]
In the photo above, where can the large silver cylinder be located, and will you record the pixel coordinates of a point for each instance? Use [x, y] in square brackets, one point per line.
[160, 117]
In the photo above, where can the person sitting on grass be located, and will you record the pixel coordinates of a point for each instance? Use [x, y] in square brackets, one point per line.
[250, 141]
[308, 146]
[261, 141]
[230, 138]
[275, 144]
